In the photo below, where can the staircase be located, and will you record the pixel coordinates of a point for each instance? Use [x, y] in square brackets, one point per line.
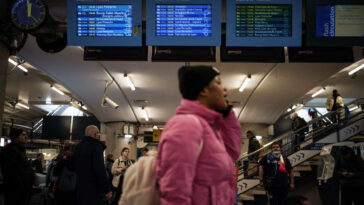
[306, 156]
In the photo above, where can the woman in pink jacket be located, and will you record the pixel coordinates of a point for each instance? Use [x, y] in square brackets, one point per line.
[187, 175]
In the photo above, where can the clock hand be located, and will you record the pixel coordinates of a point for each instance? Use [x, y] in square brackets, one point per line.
[29, 8]
[36, 20]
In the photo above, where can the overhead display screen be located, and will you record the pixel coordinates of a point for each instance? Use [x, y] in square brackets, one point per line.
[263, 20]
[183, 20]
[340, 20]
[104, 20]
[104, 23]
[265, 23]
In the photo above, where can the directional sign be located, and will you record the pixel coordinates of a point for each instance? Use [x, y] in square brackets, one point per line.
[246, 184]
[351, 130]
[301, 156]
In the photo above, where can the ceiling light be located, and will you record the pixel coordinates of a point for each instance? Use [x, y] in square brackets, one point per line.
[356, 69]
[353, 108]
[24, 126]
[289, 110]
[57, 90]
[48, 100]
[84, 107]
[131, 85]
[22, 105]
[145, 114]
[245, 83]
[155, 127]
[128, 136]
[17, 65]
[294, 107]
[318, 92]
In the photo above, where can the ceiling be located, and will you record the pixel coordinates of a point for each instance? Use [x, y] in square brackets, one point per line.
[274, 86]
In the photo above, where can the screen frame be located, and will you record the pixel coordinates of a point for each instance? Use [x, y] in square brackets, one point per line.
[233, 41]
[153, 40]
[313, 40]
[74, 40]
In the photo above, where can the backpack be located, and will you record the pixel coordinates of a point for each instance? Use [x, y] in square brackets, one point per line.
[141, 180]
[67, 180]
[261, 152]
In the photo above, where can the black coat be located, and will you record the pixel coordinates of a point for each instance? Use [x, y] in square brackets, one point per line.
[253, 145]
[92, 184]
[18, 174]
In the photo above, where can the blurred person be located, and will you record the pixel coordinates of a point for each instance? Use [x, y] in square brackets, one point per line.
[92, 185]
[351, 176]
[276, 175]
[18, 174]
[296, 200]
[334, 103]
[118, 170]
[297, 124]
[108, 166]
[198, 146]
[253, 159]
[65, 171]
[144, 151]
[38, 165]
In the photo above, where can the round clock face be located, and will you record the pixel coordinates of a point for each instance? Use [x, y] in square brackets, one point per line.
[28, 14]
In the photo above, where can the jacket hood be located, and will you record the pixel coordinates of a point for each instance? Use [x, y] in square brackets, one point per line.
[196, 108]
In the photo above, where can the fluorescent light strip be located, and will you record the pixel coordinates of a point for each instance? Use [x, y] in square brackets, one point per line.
[353, 108]
[24, 126]
[48, 101]
[131, 85]
[128, 136]
[84, 107]
[318, 92]
[57, 90]
[356, 69]
[22, 105]
[18, 66]
[145, 114]
[245, 83]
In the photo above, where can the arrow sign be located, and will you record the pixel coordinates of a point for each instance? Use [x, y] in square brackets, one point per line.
[298, 156]
[245, 184]
[303, 155]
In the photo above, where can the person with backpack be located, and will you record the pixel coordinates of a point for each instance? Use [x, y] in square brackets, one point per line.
[334, 103]
[65, 193]
[298, 124]
[198, 146]
[118, 170]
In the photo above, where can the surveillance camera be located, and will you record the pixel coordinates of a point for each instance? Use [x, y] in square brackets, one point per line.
[111, 103]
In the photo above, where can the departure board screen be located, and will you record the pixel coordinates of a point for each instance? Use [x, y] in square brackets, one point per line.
[263, 20]
[340, 20]
[104, 20]
[183, 20]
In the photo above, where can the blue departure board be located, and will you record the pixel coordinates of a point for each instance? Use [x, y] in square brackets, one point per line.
[104, 20]
[263, 23]
[183, 20]
[263, 20]
[104, 23]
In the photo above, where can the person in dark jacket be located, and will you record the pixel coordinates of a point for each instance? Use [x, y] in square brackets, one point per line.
[92, 185]
[351, 175]
[297, 126]
[38, 163]
[17, 170]
[253, 146]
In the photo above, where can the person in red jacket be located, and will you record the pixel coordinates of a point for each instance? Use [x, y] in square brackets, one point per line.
[200, 143]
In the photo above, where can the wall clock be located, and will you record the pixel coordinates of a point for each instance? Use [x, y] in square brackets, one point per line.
[28, 15]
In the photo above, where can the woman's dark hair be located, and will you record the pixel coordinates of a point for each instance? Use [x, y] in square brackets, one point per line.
[276, 143]
[295, 200]
[14, 133]
[250, 132]
[125, 148]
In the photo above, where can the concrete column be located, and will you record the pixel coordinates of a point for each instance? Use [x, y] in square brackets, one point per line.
[4, 55]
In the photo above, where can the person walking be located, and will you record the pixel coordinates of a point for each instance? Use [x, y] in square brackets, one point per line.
[18, 174]
[91, 184]
[198, 146]
[334, 103]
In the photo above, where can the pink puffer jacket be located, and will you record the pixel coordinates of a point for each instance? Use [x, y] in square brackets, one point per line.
[184, 176]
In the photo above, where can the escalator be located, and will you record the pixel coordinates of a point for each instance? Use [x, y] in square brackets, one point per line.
[324, 131]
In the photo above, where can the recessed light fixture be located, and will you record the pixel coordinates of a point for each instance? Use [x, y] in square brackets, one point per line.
[22, 105]
[48, 100]
[130, 83]
[353, 108]
[145, 114]
[17, 65]
[356, 69]
[245, 83]
[318, 92]
[128, 136]
[57, 90]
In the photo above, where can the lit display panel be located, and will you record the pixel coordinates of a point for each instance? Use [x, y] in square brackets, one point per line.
[340, 20]
[104, 20]
[263, 23]
[183, 20]
[263, 20]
